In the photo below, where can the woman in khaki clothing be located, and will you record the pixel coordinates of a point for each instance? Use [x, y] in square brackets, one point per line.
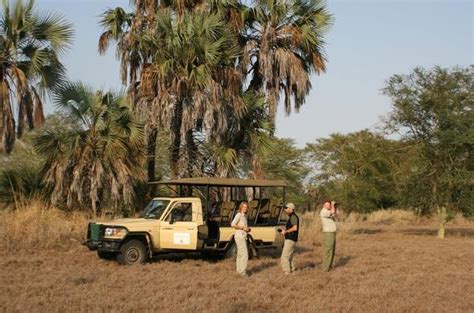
[240, 224]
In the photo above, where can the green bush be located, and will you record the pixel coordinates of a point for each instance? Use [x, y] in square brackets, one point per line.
[21, 185]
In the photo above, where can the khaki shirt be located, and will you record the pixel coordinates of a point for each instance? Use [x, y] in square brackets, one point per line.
[240, 220]
[328, 223]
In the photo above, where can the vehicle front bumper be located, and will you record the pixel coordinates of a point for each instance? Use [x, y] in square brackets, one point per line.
[104, 245]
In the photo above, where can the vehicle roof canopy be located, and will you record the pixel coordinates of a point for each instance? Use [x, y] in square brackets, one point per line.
[223, 182]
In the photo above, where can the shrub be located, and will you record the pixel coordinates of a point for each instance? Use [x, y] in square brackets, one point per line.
[391, 217]
[20, 185]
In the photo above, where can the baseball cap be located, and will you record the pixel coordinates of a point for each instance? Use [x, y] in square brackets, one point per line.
[290, 205]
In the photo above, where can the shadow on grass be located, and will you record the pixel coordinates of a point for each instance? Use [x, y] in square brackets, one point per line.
[450, 232]
[366, 231]
[342, 261]
[179, 257]
[302, 250]
[305, 266]
[262, 267]
[276, 253]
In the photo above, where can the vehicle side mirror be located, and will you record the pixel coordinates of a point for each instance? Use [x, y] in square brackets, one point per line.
[172, 218]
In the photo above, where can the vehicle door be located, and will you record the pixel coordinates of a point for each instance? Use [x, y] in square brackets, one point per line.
[179, 228]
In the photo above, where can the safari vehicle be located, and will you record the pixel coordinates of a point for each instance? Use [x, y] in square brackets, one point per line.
[196, 221]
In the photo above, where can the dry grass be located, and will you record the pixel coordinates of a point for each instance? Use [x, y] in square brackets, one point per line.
[389, 217]
[394, 268]
[38, 226]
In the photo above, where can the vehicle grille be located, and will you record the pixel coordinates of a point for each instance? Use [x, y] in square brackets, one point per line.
[94, 231]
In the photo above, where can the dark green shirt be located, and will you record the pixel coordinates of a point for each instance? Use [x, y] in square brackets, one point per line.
[292, 221]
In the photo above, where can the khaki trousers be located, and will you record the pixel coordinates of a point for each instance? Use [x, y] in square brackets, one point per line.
[242, 254]
[287, 256]
[329, 249]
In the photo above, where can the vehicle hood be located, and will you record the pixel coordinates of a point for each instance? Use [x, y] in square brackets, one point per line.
[132, 224]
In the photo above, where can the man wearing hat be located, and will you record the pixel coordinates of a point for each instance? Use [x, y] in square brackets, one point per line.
[291, 237]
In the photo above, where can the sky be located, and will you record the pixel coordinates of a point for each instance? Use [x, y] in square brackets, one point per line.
[369, 41]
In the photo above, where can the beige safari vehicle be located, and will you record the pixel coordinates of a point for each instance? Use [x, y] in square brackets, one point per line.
[193, 223]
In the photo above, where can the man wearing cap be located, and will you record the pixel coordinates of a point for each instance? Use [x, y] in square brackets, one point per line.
[291, 237]
[328, 215]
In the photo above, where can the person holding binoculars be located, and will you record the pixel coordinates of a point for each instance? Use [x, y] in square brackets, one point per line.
[328, 215]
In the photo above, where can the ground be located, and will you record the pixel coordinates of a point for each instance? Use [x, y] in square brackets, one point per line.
[377, 268]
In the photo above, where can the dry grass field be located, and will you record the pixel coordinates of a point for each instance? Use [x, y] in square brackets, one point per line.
[380, 267]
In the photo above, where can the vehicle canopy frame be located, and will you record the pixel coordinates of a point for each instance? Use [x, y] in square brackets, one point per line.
[232, 183]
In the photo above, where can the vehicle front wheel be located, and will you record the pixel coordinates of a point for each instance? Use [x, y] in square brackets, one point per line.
[132, 252]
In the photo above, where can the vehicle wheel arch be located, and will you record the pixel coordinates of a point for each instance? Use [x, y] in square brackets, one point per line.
[144, 237]
[232, 245]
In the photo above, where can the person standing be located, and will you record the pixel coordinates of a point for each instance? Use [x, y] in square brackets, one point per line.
[240, 224]
[291, 237]
[328, 215]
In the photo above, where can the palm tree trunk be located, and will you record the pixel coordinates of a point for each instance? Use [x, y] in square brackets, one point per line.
[191, 151]
[151, 153]
[176, 139]
[37, 110]
[8, 121]
[21, 119]
[151, 160]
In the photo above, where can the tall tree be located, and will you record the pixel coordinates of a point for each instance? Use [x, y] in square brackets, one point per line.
[238, 150]
[30, 45]
[100, 157]
[435, 109]
[187, 72]
[363, 170]
[283, 46]
[193, 65]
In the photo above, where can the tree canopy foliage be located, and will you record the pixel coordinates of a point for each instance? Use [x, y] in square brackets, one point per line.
[99, 156]
[31, 43]
[434, 109]
[192, 67]
[429, 167]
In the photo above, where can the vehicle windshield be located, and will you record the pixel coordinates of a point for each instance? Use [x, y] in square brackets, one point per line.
[155, 209]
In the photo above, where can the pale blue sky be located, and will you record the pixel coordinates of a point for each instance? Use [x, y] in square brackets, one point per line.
[369, 42]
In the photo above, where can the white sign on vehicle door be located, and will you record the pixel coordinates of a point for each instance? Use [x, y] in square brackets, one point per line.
[181, 238]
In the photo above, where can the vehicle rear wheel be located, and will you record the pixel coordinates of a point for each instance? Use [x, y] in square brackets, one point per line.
[106, 255]
[132, 252]
[231, 252]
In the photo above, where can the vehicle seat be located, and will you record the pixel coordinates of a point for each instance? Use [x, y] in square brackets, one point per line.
[264, 212]
[215, 211]
[227, 211]
[253, 210]
[275, 209]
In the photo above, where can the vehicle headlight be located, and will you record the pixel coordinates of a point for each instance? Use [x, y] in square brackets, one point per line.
[115, 232]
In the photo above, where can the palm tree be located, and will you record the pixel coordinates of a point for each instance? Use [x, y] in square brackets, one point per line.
[187, 69]
[30, 45]
[189, 74]
[194, 74]
[100, 155]
[246, 139]
[283, 47]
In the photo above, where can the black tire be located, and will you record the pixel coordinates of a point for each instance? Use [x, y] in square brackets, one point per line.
[106, 255]
[231, 252]
[132, 252]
